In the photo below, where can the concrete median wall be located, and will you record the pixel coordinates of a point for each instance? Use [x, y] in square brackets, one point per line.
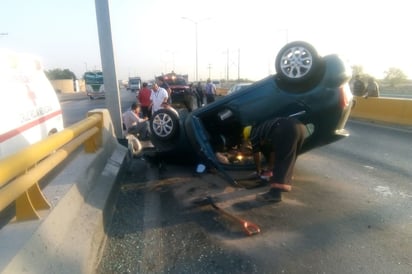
[68, 86]
[69, 236]
[388, 110]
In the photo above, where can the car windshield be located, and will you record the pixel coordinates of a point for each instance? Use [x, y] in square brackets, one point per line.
[176, 81]
[93, 78]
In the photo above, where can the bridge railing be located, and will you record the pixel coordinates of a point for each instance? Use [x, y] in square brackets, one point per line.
[21, 172]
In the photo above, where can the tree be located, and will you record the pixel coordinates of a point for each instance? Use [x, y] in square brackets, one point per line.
[395, 76]
[59, 74]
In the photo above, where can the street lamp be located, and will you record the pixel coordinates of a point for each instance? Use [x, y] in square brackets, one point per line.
[196, 45]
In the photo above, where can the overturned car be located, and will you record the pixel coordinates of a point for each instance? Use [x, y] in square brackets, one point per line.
[309, 87]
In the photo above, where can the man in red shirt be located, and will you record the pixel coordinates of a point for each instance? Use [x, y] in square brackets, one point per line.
[144, 99]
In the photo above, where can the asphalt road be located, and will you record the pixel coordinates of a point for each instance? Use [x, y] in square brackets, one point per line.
[349, 212]
[75, 106]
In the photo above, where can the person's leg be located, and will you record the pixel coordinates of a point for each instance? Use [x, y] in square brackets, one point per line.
[287, 140]
[210, 98]
[269, 157]
[145, 111]
[143, 130]
[134, 130]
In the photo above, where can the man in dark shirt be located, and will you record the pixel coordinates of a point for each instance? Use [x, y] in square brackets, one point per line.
[279, 140]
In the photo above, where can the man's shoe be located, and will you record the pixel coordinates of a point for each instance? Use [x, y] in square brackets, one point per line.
[272, 196]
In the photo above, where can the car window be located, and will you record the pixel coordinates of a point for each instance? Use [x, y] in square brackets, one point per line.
[176, 81]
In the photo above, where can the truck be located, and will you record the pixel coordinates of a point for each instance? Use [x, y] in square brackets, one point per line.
[181, 92]
[134, 84]
[94, 84]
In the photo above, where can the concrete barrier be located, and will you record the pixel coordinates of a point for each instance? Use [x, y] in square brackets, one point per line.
[388, 110]
[221, 91]
[68, 238]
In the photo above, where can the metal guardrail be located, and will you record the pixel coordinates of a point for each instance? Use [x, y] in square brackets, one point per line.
[21, 172]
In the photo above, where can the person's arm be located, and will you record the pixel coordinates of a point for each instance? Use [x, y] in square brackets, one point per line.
[141, 120]
[165, 99]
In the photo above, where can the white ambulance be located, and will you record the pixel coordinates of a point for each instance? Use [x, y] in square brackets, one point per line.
[29, 107]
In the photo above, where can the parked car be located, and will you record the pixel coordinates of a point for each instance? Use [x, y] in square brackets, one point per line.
[311, 88]
[237, 87]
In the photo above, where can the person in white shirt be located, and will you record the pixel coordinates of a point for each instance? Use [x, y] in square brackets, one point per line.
[133, 124]
[210, 91]
[158, 98]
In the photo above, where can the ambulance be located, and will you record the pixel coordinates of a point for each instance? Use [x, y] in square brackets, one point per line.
[29, 108]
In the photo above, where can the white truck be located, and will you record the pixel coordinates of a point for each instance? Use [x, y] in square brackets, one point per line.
[134, 84]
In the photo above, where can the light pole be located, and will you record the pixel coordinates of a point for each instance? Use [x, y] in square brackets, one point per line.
[196, 44]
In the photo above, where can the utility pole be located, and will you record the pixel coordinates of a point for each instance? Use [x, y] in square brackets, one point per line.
[210, 68]
[238, 64]
[196, 43]
[111, 86]
[227, 66]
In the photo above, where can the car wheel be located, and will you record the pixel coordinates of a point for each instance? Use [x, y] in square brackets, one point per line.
[298, 66]
[164, 124]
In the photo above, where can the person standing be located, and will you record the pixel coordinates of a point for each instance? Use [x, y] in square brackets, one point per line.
[280, 141]
[210, 91]
[158, 98]
[372, 89]
[358, 86]
[144, 99]
[133, 124]
[200, 94]
[161, 82]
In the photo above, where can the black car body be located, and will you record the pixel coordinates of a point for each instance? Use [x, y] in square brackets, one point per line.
[311, 88]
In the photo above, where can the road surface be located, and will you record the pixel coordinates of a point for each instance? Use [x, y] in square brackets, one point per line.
[350, 211]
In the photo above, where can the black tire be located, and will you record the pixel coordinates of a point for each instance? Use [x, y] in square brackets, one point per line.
[298, 67]
[164, 124]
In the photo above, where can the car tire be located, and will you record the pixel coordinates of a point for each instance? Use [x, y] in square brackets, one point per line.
[164, 124]
[298, 67]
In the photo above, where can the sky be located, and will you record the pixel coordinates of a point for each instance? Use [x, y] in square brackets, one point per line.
[150, 37]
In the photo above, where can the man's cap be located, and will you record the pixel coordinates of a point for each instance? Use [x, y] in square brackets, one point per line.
[246, 132]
